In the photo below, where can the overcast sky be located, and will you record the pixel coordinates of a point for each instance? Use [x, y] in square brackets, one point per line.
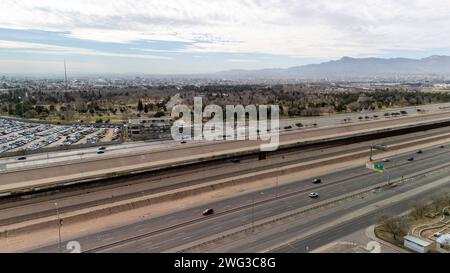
[198, 36]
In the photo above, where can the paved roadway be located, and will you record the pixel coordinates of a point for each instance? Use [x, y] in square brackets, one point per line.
[14, 212]
[327, 236]
[109, 163]
[335, 184]
[126, 148]
[338, 119]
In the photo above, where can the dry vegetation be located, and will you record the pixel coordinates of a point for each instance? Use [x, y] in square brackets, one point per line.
[393, 228]
[116, 104]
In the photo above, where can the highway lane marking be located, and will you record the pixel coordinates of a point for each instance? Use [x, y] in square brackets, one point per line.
[147, 244]
[307, 209]
[361, 212]
[353, 132]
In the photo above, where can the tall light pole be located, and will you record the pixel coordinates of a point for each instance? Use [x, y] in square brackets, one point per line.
[376, 147]
[253, 212]
[381, 148]
[277, 182]
[65, 76]
[389, 176]
[59, 227]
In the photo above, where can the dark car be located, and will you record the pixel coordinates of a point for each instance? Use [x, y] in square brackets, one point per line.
[420, 152]
[442, 147]
[102, 148]
[236, 160]
[22, 158]
[100, 152]
[207, 212]
[411, 159]
[317, 181]
[183, 142]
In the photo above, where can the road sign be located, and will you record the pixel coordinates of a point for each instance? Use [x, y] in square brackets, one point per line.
[380, 147]
[377, 147]
[375, 167]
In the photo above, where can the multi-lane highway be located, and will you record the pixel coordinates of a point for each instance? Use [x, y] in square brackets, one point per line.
[189, 176]
[69, 171]
[237, 211]
[87, 153]
[46, 158]
[177, 226]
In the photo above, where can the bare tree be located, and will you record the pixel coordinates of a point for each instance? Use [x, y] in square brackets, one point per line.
[419, 210]
[397, 226]
[439, 202]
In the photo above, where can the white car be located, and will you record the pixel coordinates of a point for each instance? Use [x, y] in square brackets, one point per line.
[386, 160]
[314, 195]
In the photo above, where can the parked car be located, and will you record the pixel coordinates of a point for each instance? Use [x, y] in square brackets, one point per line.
[411, 159]
[102, 148]
[207, 212]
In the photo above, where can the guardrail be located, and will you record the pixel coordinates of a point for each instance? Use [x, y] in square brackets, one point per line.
[356, 194]
[219, 158]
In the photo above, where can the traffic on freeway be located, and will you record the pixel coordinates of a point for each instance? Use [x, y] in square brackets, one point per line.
[225, 136]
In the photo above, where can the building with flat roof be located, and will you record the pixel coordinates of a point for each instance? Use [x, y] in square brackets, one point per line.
[149, 128]
[417, 244]
[443, 242]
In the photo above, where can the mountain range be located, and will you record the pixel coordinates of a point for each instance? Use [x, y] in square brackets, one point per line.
[352, 68]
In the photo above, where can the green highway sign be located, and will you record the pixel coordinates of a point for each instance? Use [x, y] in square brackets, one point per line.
[375, 167]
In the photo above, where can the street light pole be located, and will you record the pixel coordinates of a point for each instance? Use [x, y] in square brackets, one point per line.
[59, 228]
[276, 188]
[253, 212]
[389, 176]
[377, 147]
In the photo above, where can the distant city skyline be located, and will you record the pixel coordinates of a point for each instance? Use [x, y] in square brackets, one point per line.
[196, 37]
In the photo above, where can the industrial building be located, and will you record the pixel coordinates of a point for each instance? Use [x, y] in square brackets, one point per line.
[149, 128]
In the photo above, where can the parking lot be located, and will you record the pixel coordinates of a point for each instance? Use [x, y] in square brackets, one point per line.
[16, 135]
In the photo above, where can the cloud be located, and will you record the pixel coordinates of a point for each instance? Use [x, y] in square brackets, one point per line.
[38, 48]
[42, 67]
[297, 28]
[241, 61]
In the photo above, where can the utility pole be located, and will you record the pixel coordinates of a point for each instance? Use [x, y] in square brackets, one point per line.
[381, 167]
[65, 76]
[389, 176]
[277, 182]
[253, 212]
[376, 147]
[59, 227]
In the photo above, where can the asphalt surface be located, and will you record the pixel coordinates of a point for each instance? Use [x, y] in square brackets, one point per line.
[335, 184]
[31, 208]
[339, 231]
[323, 121]
[108, 161]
